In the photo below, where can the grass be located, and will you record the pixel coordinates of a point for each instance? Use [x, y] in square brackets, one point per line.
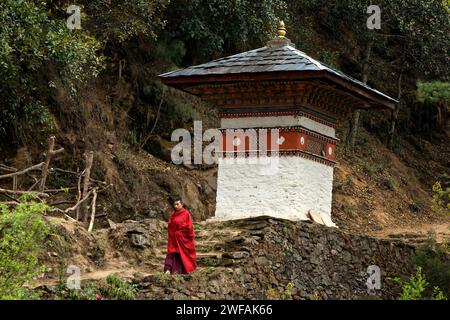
[369, 169]
[111, 288]
[388, 183]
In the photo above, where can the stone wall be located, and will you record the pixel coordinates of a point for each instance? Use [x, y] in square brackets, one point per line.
[260, 261]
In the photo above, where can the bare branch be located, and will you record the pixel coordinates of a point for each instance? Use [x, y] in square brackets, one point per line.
[91, 224]
[10, 203]
[39, 194]
[63, 212]
[75, 173]
[34, 185]
[89, 160]
[79, 202]
[11, 198]
[156, 120]
[79, 193]
[50, 153]
[11, 175]
[7, 168]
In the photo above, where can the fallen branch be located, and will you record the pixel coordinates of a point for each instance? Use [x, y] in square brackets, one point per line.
[94, 199]
[34, 185]
[18, 173]
[63, 212]
[60, 202]
[7, 168]
[75, 173]
[11, 198]
[39, 194]
[79, 202]
[10, 203]
[59, 190]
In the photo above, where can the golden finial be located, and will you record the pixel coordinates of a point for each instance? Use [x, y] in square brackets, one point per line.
[281, 29]
[280, 40]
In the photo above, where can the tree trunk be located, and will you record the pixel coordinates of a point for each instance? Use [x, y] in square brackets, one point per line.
[357, 113]
[51, 152]
[87, 175]
[395, 113]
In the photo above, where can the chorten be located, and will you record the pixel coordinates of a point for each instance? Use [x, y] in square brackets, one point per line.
[277, 88]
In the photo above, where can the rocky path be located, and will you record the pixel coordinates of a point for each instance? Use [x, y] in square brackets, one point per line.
[136, 250]
[416, 235]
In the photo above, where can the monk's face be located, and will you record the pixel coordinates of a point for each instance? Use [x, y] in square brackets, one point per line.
[177, 205]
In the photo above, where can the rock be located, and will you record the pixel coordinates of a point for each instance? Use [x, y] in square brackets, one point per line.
[236, 255]
[179, 296]
[138, 240]
[314, 259]
[201, 295]
[136, 229]
[112, 224]
[315, 216]
[262, 261]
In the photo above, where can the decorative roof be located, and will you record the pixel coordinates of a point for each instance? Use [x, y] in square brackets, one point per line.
[279, 55]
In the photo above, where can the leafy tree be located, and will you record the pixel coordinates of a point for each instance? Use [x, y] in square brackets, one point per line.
[30, 41]
[413, 38]
[120, 20]
[214, 28]
[22, 234]
[433, 261]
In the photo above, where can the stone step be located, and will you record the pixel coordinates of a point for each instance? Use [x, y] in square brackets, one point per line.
[202, 255]
[209, 245]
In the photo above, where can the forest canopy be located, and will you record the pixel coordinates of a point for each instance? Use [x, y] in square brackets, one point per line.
[37, 48]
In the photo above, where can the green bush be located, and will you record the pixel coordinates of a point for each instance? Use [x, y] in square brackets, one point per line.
[433, 260]
[441, 197]
[416, 286]
[111, 288]
[32, 43]
[388, 183]
[435, 91]
[369, 169]
[22, 235]
[285, 294]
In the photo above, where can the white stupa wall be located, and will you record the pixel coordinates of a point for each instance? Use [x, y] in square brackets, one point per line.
[285, 187]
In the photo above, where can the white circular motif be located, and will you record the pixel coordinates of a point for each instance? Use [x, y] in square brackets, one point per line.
[330, 151]
[236, 142]
[280, 140]
[302, 141]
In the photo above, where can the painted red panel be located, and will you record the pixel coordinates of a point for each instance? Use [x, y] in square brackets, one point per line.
[329, 152]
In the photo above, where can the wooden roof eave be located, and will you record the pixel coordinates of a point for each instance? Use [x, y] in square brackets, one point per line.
[372, 98]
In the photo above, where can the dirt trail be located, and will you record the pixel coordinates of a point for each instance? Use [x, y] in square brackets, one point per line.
[420, 231]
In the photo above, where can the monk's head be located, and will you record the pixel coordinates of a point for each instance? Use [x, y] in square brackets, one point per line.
[177, 204]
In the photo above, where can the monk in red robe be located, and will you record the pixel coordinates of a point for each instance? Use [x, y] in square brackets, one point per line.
[181, 256]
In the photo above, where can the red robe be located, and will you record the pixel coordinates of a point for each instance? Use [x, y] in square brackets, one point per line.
[181, 238]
